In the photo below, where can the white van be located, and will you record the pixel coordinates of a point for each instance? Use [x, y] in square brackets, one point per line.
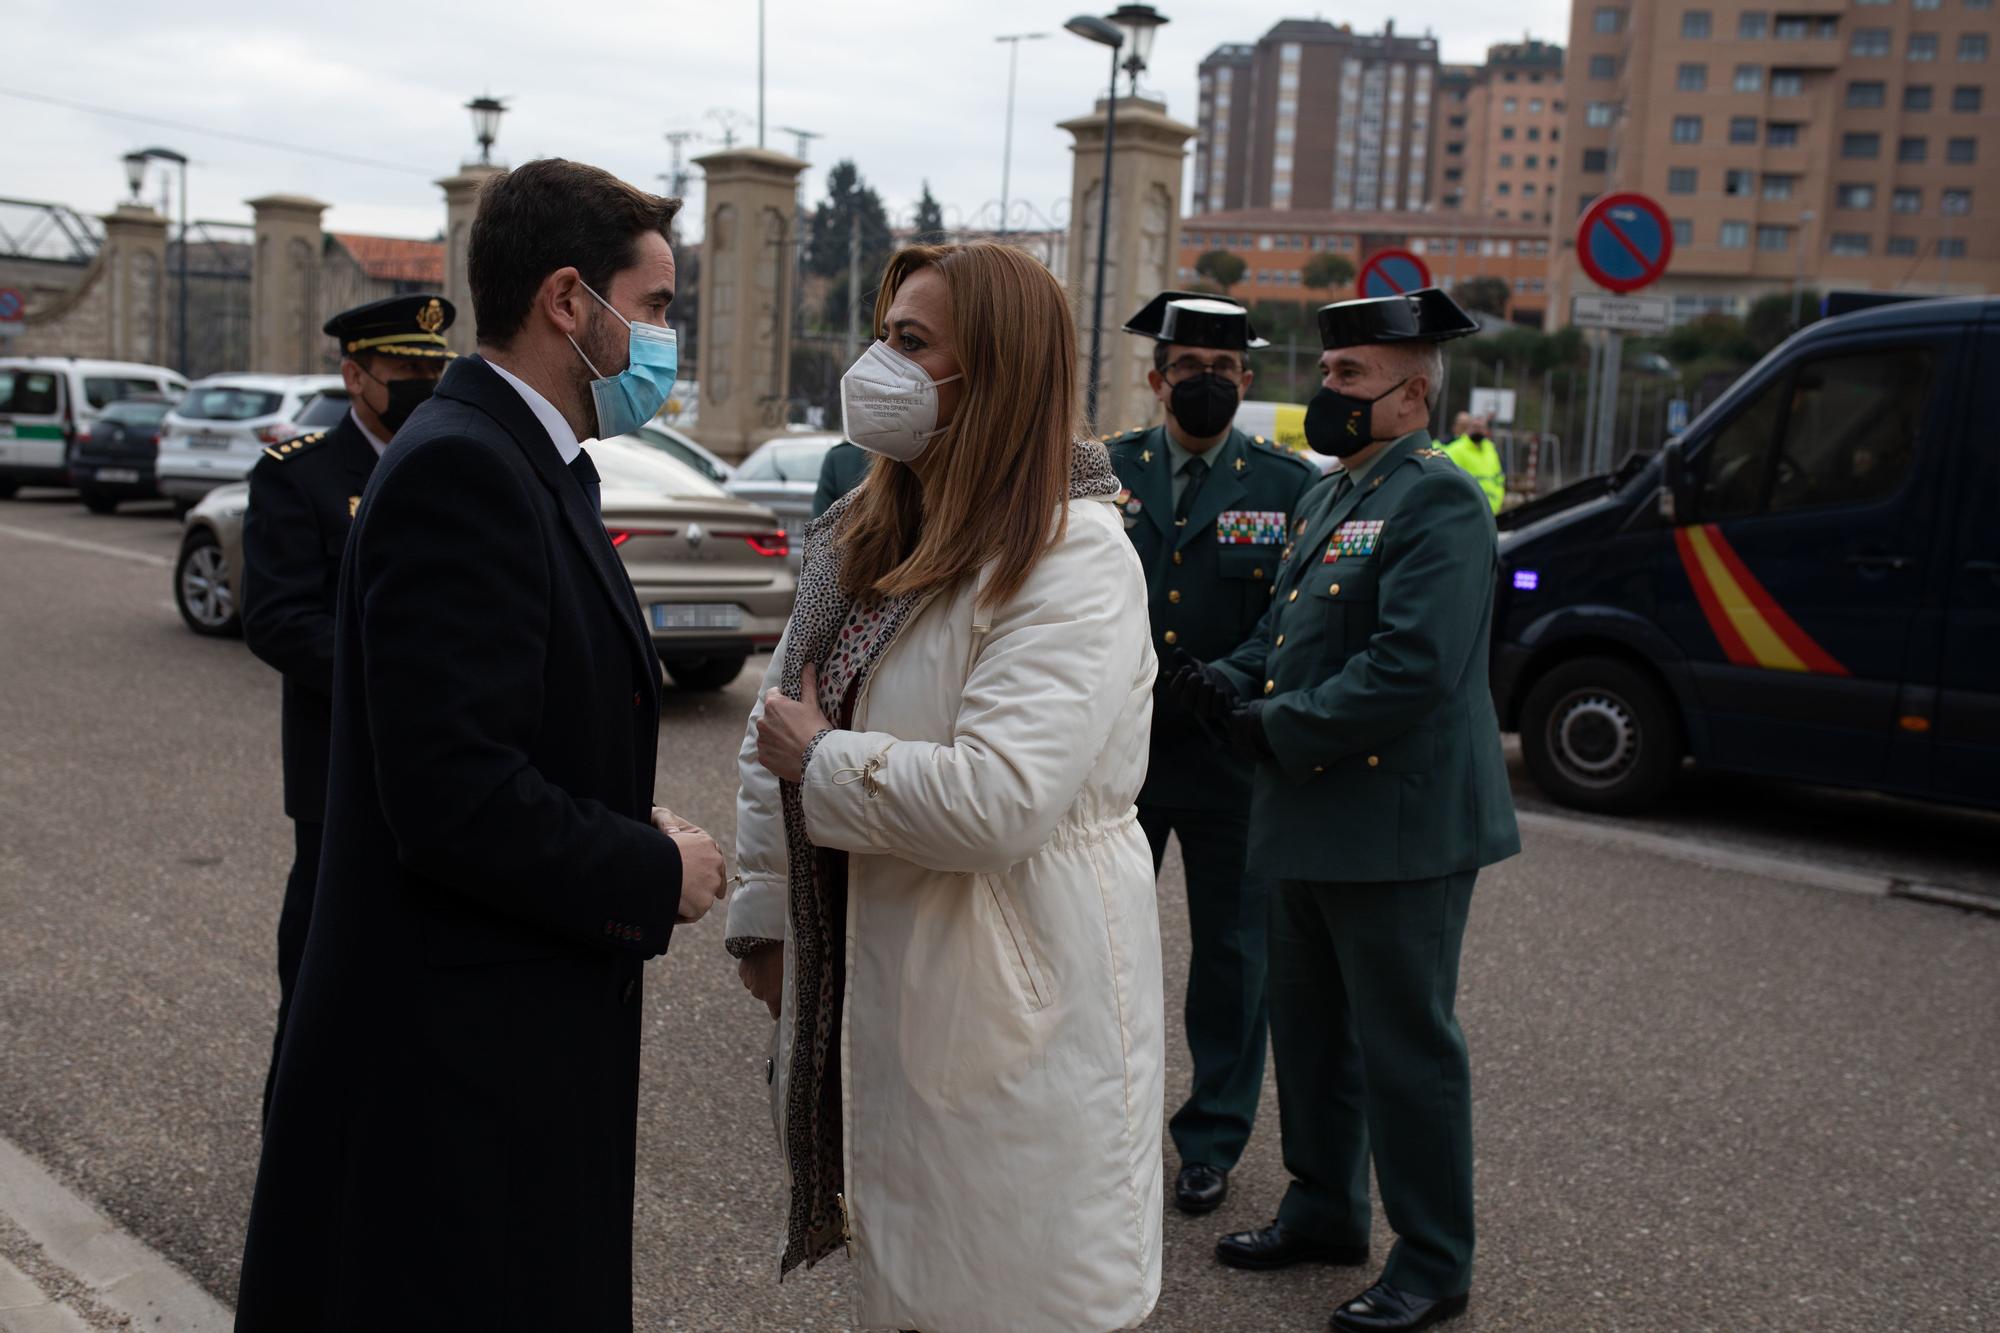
[46, 400]
[221, 428]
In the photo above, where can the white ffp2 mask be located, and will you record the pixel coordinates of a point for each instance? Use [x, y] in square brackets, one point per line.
[888, 405]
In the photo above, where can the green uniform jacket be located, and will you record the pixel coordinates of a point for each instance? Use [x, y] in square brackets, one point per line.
[1373, 672]
[844, 468]
[1208, 583]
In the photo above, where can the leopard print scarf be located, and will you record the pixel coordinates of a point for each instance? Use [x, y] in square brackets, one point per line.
[816, 1225]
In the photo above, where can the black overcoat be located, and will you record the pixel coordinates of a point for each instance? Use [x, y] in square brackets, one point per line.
[450, 1142]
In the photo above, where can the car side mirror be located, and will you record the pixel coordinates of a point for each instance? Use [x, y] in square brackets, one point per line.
[1674, 497]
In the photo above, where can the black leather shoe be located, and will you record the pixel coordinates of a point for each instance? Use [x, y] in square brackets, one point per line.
[1386, 1309]
[1201, 1188]
[1276, 1247]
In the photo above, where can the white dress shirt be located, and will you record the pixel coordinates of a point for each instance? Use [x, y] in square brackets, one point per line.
[545, 412]
[377, 445]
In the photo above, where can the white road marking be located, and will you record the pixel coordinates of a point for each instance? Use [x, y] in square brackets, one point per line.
[94, 548]
[1728, 859]
[119, 1270]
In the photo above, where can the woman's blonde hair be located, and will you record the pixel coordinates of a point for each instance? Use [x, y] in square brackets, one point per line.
[997, 479]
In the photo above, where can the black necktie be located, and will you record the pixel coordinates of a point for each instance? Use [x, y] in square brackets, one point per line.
[1343, 486]
[585, 473]
[1196, 470]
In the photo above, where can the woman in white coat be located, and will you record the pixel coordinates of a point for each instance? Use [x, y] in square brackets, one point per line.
[945, 896]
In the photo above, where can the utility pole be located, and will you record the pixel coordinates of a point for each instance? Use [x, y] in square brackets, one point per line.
[853, 285]
[677, 173]
[803, 141]
[760, 73]
[1007, 153]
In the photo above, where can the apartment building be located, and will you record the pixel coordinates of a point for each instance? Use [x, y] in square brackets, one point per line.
[1815, 143]
[1314, 116]
[1501, 141]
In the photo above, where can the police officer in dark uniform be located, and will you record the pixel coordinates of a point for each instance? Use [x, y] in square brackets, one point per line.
[1380, 793]
[303, 495]
[1207, 507]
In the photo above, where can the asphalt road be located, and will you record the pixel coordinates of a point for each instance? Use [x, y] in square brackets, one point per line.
[1703, 1100]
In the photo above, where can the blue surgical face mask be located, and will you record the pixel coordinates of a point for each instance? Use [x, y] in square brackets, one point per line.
[629, 399]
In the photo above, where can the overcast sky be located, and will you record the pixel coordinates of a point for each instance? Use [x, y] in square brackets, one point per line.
[911, 92]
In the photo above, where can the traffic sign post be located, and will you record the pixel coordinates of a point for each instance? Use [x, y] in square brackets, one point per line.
[1624, 243]
[1621, 314]
[13, 312]
[1391, 273]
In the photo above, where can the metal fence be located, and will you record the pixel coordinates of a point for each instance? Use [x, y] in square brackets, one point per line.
[219, 257]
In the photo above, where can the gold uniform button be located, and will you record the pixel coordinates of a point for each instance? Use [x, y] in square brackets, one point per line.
[1256, 573]
[1270, 685]
[1177, 557]
[1319, 768]
[1175, 596]
[1171, 638]
[1374, 761]
[1334, 591]
[1281, 641]
[1293, 598]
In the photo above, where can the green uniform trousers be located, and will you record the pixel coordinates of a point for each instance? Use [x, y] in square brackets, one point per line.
[1370, 1060]
[1227, 1010]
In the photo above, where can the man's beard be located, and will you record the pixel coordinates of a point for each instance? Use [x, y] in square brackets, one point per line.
[603, 341]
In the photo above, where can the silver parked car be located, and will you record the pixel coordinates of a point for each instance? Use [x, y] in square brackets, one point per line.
[782, 474]
[710, 571]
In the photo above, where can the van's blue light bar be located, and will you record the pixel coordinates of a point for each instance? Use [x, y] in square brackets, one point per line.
[1527, 580]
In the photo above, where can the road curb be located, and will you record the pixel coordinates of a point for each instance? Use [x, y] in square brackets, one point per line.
[1812, 874]
[119, 1270]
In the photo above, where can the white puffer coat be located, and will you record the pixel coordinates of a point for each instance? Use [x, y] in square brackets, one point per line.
[1002, 1050]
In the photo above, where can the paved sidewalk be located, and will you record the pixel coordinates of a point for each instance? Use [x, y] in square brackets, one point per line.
[66, 1268]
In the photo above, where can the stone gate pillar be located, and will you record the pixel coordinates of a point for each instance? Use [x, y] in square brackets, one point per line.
[135, 275]
[747, 297]
[1145, 237]
[461, 205]
[284, 285]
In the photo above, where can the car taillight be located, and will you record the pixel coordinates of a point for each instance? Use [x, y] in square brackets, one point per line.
[83, 435]
[618, 536]
[772, 545]
[277, 432]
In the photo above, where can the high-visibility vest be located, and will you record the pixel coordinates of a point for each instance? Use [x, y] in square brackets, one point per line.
[1482, 461]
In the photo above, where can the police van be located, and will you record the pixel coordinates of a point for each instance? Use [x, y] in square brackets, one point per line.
[1803, 584]
[46, 400]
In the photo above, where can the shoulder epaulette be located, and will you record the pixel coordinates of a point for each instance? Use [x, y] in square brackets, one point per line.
[291, 449]
[1277, 450]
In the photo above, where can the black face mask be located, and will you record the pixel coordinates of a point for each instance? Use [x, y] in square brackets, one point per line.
[1339, 424]
[1479, 437]
[1204, 405]
[405, 397]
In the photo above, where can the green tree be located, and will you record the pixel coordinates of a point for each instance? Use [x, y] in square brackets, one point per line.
[1324, 272]
[1222, 268]
[849, 205]
[1486, 295]
[1770, 319]
[930, 219]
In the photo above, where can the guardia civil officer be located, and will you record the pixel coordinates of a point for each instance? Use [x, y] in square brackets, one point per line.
[302, 500]
[1207, 507]
[1380, 792]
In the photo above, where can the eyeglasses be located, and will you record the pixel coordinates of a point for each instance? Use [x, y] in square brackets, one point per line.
[1188, 367]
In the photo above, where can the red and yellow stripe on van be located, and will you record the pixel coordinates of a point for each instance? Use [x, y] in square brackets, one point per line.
[1748, 622]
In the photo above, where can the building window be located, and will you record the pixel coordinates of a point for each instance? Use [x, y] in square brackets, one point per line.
[1734, 236]
[1531, 161]
[1743, 129]
[1739, 181]
[1923, 46]
[1752, 24]
[1604, 67]
[1504, 189]
[1781, 134]
[1794, 29]
[1787, 83]
[1528, 188]
[1901, 246]
[1972, 46]
[1691, 78]
[1506, 160]
[1906, 200]
[1535, 104]
[1683, 231]
[1511, 105]
[1774, 238]
[1961, 150]
[1979, 4]
[1534, 134]
[1956, 203]
[1749, 78]
[1869, 42]
[1680, 180]
[1596, 159]
[1507, 131]
[1917, 97]
[1866, 95]
[1607, 19]
[1687, 129]
[1951, 247]
[1778, 186]
[1854, 196]
[1860, 145]
[1926, 4]
[1913, 148]
[1848, 243]
[1694, 24]
[1966, 97]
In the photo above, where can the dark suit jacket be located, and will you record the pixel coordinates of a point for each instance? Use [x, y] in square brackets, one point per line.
[450, 1139]
[844, 467]
[301, 507]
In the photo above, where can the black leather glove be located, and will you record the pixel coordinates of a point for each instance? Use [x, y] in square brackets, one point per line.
[1201, 690]
[1240, 730]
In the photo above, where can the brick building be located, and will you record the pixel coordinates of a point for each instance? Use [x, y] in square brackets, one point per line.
[1501, 142]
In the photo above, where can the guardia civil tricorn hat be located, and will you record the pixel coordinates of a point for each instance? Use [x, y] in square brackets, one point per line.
[1426, 315]
[1195, 320]
[410, 325]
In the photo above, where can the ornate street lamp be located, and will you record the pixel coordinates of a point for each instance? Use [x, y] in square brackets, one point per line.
[135, 173]
[1094, 29]
[486, 112]
[1137, 23]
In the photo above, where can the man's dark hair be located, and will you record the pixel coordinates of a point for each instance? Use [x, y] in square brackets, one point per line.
[1160, 357]
[550, 214]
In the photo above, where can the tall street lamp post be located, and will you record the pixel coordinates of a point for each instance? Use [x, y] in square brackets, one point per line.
[486, 112]
[1007, 153]
[135, 174]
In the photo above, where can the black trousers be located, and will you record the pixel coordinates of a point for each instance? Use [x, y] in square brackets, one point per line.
[1227, 1014]
[294, 918]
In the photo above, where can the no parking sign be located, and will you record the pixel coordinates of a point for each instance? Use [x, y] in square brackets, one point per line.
[1391, 273]
[1624, 242]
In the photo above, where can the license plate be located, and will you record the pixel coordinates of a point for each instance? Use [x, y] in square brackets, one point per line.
[117, 474]
[696, 615]
[208, 441]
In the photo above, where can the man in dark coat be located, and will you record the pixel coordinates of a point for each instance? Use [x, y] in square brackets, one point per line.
[844, 467]
[303, 494]
[451, 1135]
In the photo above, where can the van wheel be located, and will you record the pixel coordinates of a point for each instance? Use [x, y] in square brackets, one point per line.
[99, 503]
[1598, 734]
[705, 673]
[7, 488]
[202, 590]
